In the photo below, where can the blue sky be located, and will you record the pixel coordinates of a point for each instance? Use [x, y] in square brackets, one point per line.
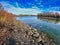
[31, 6]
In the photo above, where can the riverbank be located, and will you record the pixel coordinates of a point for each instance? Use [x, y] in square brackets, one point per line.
[22, 34]
[24, 15]
[49, 14]
[14, 32]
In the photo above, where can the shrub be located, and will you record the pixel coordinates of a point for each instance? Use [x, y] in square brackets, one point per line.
[6, 18]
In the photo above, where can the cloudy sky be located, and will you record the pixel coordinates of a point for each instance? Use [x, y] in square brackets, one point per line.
[30, 6]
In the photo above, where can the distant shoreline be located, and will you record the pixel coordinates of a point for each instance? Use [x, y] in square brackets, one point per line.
[24, 15]
[49, 14]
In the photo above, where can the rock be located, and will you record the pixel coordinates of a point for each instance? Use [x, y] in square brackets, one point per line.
[23, 35]
[40, 39]
[35, 34]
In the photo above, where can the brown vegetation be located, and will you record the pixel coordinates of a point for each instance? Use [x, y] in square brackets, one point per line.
[6, 17]
[5, 20]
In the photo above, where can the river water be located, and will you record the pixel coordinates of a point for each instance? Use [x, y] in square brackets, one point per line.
[49, 26]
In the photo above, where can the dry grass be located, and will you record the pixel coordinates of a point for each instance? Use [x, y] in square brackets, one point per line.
[6, 17]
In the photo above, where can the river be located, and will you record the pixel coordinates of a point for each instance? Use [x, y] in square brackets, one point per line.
[48, 26]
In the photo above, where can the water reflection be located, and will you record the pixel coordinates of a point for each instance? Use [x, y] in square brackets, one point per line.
[50, 26]
[49, 19]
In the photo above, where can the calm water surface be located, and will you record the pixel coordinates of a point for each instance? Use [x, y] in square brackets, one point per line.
[50, 27]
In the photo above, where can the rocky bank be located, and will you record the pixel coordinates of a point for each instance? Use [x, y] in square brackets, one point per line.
[14, 32]
[22, 34]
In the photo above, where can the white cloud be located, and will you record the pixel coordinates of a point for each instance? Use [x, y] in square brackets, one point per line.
[34, 10]
[17, 4]
[35, 7]
[19, 10]
[23, 11]
[54, 9]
